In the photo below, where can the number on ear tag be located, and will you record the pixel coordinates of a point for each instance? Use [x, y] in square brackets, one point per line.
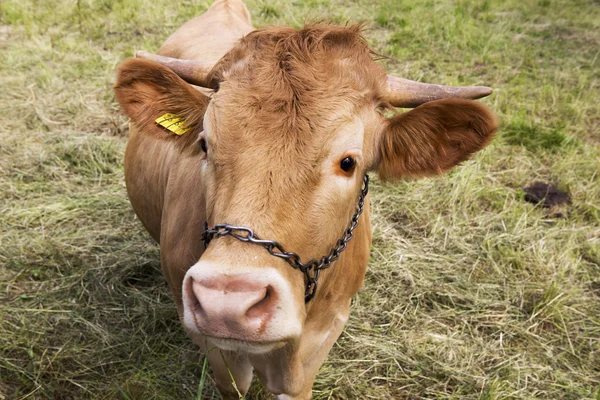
[173, 123]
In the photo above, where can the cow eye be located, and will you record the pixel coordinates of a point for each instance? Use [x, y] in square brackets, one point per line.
[347, 164]
[203, 145]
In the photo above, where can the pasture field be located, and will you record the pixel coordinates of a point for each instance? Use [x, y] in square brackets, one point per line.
[471, 293]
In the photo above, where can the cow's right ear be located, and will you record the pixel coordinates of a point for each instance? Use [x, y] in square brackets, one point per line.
[433, 138]
[147, 90]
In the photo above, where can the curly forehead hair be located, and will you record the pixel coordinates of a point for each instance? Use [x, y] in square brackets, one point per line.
[302, 64]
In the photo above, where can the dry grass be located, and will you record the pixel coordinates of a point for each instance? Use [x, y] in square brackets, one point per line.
[471, 292]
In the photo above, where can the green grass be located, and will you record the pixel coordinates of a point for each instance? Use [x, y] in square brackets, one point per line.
[533, 137]
[471, 293]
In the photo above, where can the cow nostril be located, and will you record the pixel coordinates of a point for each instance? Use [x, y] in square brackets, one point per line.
[193, 300]
[264, 305]
[196, 304]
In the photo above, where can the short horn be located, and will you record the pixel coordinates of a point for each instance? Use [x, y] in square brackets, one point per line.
[410, 94]
[191, 71]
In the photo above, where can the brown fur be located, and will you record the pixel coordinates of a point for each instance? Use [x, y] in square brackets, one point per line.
[282, 96]
[293, 62]
[290, 76]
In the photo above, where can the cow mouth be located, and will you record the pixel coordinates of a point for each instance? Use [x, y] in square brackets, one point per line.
[245, 346]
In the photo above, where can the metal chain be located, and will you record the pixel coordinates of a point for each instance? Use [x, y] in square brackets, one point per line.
[311, 269]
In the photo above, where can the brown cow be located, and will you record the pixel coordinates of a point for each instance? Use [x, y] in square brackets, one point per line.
[281, 143]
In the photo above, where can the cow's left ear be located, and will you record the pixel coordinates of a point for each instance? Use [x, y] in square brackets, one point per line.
[433, 138]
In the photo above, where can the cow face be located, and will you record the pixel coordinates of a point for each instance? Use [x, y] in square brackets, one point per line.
[285, 140]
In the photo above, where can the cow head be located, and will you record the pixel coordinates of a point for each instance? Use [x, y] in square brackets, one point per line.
[296, 119]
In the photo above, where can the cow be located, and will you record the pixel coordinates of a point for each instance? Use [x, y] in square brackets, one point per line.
[256, 185]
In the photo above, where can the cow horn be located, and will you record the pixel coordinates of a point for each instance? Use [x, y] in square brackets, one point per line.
[410, 94]
[191, 71]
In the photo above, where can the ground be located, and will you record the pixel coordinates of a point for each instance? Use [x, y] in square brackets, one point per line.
[471, 292]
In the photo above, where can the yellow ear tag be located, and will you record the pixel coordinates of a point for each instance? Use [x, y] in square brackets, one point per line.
[173, 123]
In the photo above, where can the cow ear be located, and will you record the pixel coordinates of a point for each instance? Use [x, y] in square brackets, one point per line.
[433, 138]
[147, 90]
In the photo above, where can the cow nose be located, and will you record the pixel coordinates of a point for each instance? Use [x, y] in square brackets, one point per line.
[244, 306]
[226, 307]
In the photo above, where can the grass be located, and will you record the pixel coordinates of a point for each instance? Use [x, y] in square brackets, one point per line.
[533, 137]
[471, 293]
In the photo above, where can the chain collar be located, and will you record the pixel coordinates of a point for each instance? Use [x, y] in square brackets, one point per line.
[311, 269]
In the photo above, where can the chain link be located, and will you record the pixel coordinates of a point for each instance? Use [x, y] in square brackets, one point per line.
[311, 269]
